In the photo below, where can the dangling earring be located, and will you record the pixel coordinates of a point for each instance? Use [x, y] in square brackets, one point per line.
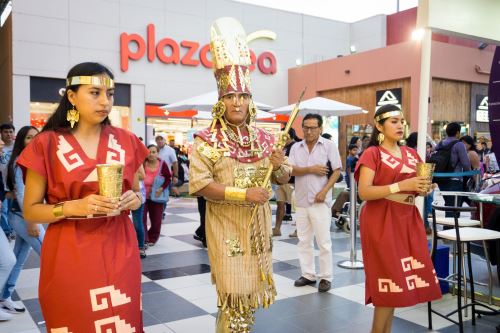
[73, 116]
[252, 111]
[380, 138]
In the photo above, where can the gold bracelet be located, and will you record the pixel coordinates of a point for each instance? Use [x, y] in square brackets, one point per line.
[235, 193]
[394, 188]
[280, 172]
[57, 210]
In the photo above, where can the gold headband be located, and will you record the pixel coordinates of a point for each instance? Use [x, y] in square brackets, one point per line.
[93, 80]
[388, 115]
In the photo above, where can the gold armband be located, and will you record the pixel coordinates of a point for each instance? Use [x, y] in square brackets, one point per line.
[235, 193]
[57, 210]
[280, 172]
[394, 188]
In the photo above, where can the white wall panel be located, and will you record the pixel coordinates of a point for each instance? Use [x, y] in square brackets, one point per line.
[39, 29]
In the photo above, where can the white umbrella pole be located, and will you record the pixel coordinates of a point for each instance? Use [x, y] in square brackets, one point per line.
[423, 110]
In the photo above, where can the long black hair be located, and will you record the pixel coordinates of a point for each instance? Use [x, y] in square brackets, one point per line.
[58, 122]
[468, 139]
[16, 151]
[376, 132]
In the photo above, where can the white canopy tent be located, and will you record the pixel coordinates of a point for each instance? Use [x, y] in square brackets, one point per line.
[322, 106]
[204, 102]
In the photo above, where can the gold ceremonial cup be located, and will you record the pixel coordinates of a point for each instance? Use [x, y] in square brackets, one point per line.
[425, 170]
[110, 177]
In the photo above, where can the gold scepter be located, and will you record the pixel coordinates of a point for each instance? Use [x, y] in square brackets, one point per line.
[279, 145]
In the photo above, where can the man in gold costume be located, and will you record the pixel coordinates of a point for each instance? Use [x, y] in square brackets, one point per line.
[228, 164]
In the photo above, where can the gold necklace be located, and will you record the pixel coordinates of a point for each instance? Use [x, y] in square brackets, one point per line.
[238, 138]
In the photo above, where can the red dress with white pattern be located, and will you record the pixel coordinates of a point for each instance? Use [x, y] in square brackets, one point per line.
[398, 268]
[90, 276]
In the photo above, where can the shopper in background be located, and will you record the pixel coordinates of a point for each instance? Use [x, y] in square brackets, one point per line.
[398, 268]
[137, 215]
[458, 162]
[7, 134]
[284, 191]
[153, 167]
[28, 235]
[87, 254]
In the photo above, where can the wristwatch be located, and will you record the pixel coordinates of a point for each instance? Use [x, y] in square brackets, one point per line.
[57, 210]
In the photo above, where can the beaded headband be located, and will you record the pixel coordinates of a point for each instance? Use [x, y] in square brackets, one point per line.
[388, 115]
[103, 81]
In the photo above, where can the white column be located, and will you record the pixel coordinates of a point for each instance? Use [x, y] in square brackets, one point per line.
[137, 110]
[20, 101]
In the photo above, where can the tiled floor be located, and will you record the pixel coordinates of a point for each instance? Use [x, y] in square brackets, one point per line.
[178, 296]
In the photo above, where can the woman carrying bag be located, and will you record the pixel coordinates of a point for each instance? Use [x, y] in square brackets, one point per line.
[156, 183]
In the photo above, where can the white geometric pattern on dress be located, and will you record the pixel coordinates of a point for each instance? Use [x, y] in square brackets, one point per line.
[409, 263]
[115, 152]
[386, 286]
[411, 160]
[59, 330]
[414, 281]
[72, 161]
[389, 160]
[120, 326]
[435, 276]
[406, 169]
[116, 297]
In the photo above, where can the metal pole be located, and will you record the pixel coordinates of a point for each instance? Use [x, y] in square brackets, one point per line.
[353, 263]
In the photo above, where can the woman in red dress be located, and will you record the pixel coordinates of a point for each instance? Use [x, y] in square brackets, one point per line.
[398, 268]
[90, 277]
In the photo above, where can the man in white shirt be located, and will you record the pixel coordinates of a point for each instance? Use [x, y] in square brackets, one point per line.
[167, 154]
[313, 159]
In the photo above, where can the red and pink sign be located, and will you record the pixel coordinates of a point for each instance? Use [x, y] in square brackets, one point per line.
[185, 53]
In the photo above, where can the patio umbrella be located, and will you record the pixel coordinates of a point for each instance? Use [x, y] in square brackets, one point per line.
[208, 115]
[204, 102]
[322, 106]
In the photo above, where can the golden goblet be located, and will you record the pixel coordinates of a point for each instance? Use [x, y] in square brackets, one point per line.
[110, 177]
[425, 170]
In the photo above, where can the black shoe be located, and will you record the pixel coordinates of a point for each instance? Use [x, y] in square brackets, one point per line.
[324, 286]
[302, 281]
[287, 217]
[201, 239]
[142, 253]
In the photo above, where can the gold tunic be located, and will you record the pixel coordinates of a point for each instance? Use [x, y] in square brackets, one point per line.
[234, 261]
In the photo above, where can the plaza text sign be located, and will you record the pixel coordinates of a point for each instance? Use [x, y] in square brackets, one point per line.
[185, 53]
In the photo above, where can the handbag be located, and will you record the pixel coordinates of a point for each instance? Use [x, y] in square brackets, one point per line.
[157, 183]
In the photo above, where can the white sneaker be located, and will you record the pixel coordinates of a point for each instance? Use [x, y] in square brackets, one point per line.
[8, 305]
[4, 316]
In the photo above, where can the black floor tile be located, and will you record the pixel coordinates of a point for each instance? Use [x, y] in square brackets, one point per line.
[195, 269]
[189, 239]
[176, 259]
[151, 287]
[282, 266]
[165, 306]
[32, 305]
[148, 319]
[166, 273]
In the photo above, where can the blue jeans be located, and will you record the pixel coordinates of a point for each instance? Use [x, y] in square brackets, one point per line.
[428, 208]
[4, 219]
[7, 259]
[22, 247]
[139, 227]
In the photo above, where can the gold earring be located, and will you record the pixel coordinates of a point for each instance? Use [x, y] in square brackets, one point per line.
[73, 116]
[218, 109]
[380, 138]
[252, 110]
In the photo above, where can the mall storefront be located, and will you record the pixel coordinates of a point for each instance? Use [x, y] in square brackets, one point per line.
[159, 54]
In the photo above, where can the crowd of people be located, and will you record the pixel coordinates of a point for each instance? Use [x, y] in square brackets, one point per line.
[92, 244]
